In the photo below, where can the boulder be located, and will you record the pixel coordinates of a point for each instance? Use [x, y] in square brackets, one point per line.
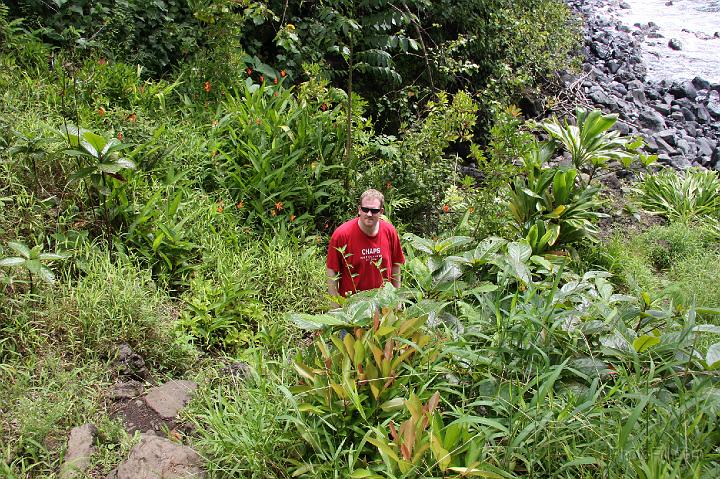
[703, 115]
[675, 44]
[159, 458]
[684, 89]
[651, 119]
[700, 84]
[80, 448]
[168, 399]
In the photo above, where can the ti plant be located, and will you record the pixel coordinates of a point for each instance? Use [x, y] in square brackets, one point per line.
[32, 260]
[592, 145]
[359, 379]
[550, 208]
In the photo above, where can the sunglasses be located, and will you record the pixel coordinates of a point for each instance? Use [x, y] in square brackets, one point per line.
[374, 211]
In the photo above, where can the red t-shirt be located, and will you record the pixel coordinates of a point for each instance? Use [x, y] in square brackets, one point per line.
[369, 258]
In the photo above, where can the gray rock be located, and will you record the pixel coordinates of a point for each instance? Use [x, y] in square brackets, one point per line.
[126, 390]
[650, 144]
[665, 146]
[159, 458]
[687, 114]
[675, 44]
[668, 136]
[685, 147]
[168, 399]
[677, 115]
[622, 127]
[613, 66]
[700, 83]
[638, 95]
[600, 98]
[713, 107]
[80, 448]
[651, 119]
[704, 147]
[619, 88]
[703, 115]
[130, 364]
[601, 51]
[662, 108]
[625, 6]
[691, 128]
[680, 163]
[683, 89]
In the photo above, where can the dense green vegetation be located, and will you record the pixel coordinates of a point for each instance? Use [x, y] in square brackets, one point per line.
[169, 175]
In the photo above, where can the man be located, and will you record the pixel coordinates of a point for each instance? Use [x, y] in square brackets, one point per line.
[365, 250]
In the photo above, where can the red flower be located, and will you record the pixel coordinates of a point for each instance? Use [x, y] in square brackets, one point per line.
[101, 61]
[249, 71]
[207, 87]
[132, 118]
[220, 209]
[275, 80]
[323, 107]
[282, 73]
[278, 205]
[101, 111]
[240, 204]
[446, 208]
[120, 135]
[262, 78]
[292, 217]
[275, 94]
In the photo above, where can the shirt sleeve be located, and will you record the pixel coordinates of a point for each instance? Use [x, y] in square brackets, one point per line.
[333, 259]
[397, 252]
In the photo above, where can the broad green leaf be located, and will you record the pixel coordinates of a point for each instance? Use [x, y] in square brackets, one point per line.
[645, 342]
[20, 249]
[394, 404]
[712, 358]
[12, 261]
[315, 321]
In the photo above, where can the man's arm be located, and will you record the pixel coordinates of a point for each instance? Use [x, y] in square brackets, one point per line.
[395, 275]
[332, 280]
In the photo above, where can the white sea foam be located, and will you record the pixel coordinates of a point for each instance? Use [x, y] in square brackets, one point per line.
[692, 22]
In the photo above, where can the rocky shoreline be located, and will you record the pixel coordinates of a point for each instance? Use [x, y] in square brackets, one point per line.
[679, 120]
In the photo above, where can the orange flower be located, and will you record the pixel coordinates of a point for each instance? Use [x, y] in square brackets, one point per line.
[292, 217]
[220, 209]
[258, 121]
[240, 204]
[132, 118]
[273, 213]
[323, 107]
[471, 209]
[446, 208]
[120, 135]
[207, 87]
[275, 94]
[388, 185]
[278, 205]
[101, 61]
[282, 73]
[101, 111]
[215, 123]
[262, 78]
[249, 71]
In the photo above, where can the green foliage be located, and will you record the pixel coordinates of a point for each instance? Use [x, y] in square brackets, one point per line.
[551, 209]
[155, 34]
[680, 197]
[281, 155]
[590, 143]
[418, 170]
[32, 261]
[220, 316]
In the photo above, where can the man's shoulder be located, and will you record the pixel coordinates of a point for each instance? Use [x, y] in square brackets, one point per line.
[388, 228]
[345, 229]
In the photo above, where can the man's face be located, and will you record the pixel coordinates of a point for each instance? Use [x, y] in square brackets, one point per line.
[370, 211]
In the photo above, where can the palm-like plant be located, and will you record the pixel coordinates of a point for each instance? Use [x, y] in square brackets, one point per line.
[590, 143]
[32, 260]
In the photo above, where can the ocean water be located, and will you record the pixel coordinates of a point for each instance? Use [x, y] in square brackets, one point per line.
[692, 22]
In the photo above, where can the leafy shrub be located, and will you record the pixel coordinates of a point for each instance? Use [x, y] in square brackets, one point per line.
[220, 316]
[282, 154]
[680, 197]
[154, 34]
[420, 169]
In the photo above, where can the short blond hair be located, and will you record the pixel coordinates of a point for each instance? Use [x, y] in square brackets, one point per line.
[373, 194]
